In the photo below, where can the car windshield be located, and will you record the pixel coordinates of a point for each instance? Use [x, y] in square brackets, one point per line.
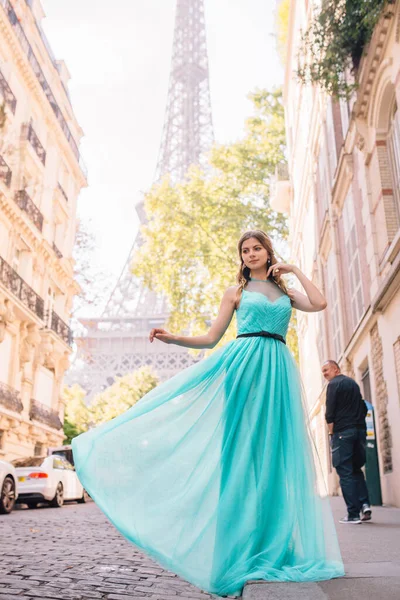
[30, 461]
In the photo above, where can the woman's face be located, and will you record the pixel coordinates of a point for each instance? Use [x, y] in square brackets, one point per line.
[254, 255]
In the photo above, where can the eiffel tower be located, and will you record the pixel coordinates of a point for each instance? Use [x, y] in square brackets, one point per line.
[117, 342]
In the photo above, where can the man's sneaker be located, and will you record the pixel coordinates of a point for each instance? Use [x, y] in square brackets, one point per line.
[366, 512]
[352, 520]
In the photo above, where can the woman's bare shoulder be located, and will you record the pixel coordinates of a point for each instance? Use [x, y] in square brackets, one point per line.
[231, 292]
[232, 289]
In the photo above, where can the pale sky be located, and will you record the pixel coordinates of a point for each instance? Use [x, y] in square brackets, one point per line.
[118, 54]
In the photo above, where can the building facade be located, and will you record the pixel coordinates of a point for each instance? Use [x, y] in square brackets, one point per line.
[343, 200]
[41, 175]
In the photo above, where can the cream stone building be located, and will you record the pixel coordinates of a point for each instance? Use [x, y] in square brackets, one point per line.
[41, 175]
[343, 198]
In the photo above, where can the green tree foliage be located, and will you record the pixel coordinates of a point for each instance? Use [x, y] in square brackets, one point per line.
[70, 431]
[190, 248]
[334, 42]
[77, 415]
[123, 394]
[115, 400]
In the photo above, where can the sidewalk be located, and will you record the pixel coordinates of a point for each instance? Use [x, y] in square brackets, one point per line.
[371, 554]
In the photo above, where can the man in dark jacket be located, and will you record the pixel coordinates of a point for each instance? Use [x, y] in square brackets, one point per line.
[345, 415]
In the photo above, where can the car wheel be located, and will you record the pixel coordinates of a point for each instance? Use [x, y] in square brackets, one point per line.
[7, 495]
[85, 497]
[58, 499]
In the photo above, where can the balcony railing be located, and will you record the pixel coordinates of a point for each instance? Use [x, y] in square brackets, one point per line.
[56, 251]
[21, 289]
[7, 94]
[10, 398]
[5, 172]
[35, 143]
[60, 328]
[26, 204]
[27, 48]
[42, 413]
[60, 187]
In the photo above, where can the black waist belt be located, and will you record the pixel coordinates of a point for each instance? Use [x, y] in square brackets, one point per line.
[267, 334]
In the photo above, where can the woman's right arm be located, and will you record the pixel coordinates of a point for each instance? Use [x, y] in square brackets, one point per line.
[214, 334]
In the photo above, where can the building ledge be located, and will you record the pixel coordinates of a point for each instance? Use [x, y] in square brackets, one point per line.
[10, 398]
[42, 413]
[371, 61]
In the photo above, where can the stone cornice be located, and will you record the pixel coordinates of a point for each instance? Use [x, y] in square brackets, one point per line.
[371, 60]
[61, 267]
[16, 216]
[21, 60]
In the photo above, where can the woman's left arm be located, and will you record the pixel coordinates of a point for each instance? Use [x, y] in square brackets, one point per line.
[314, 301]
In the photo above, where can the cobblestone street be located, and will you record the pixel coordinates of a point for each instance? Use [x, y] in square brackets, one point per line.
[74, 553]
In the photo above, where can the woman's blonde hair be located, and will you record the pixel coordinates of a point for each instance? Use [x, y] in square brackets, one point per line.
[243, 275]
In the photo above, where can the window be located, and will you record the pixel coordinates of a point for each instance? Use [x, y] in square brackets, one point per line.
[323, 182]
[67, 465]
[353, 261]
[16, 259]
[366, 385]
[2, 437]
[393, 145]
[334, 304]
[396, 349]
[44, 386]
[344, 113]
[49, 306]
[38, 450]
[331, 146]
[58, 463]
[320, 336]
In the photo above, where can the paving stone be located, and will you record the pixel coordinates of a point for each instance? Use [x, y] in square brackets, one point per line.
[120, 597]
[10, 597]
[76, 554]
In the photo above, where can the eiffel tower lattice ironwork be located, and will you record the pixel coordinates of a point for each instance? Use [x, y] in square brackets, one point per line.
[117, 342]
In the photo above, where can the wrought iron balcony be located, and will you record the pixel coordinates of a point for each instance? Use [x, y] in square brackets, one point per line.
[7, 94]
[27, 48]
[35, 143]
[60, 328]
[26, 204]
[60, 187]
[15, 284]
[5, 172]
[42, 413]
[10, 398]
[56, 251]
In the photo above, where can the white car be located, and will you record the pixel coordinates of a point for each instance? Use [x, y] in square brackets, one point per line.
[47, 479]
[8, 487]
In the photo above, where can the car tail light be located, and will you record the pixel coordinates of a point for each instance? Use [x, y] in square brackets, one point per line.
[38, 475]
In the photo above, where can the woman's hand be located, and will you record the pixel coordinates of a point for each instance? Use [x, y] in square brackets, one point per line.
[162, 335]
[280, 269]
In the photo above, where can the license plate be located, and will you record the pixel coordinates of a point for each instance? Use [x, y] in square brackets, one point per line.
[21, 478]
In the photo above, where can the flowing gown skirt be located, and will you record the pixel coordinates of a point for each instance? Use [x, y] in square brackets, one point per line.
[212, 473]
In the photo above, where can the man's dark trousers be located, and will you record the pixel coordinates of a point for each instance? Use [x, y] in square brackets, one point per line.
[348, 457]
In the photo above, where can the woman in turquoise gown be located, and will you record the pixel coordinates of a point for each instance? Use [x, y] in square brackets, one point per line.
[212, 473]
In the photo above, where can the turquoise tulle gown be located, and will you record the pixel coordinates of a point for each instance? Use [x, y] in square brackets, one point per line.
[212, 472]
